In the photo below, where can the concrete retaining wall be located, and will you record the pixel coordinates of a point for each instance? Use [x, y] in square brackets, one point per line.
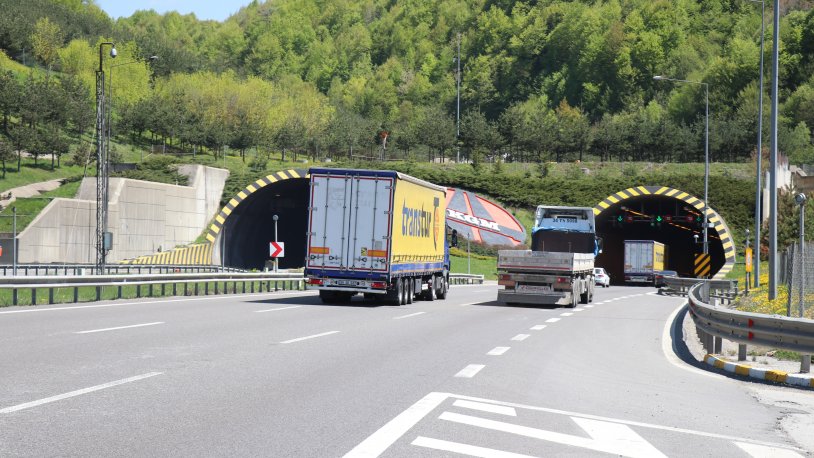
[144, 217]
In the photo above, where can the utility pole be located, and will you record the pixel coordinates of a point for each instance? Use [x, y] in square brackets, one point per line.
[773, 157]
[101, 161]
[458, 107]
[14, 242]
[758, 192]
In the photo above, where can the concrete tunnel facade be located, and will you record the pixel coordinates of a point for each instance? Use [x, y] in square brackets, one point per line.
[241, 232]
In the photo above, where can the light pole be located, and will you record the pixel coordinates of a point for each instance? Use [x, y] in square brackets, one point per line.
[800, 199]
[101, 163]
[458, 104]
[275, 218]
[758, 191]
[773, 157]
[706, 152]
[14, 242]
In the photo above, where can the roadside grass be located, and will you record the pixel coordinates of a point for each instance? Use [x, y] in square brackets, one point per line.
[88, 293]
[481, 265]
[29, 207]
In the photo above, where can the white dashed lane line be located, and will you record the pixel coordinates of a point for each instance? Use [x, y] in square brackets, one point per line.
[470, 370]
[552, 320]
[538, 327]
[299, 339]
[277, 309]
[497, 351]
[408, 316]
[566, 314]
[520, 337]
[120, 327]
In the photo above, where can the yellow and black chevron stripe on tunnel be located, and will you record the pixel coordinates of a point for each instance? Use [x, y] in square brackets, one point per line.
[220, 219]
[199, 254]
[719, 224]
[703, 265]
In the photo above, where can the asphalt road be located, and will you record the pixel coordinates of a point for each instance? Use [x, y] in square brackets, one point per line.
[284, 375]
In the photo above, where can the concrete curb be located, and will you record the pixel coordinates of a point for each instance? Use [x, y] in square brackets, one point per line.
[769, 375]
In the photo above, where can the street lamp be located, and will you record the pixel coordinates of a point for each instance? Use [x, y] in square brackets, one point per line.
[275, 218]
[706, 152]
[758, 200]
[101, 164]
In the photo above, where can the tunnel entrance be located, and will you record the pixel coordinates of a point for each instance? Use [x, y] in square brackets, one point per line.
[665, 215]
[241, 232]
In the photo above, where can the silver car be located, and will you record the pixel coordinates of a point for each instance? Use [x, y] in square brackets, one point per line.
[601, 277]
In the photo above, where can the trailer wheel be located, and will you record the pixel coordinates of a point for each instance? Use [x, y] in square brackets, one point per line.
[401, 292]
[575, 297]
[327, 297]
[444, 289]
[410, 290]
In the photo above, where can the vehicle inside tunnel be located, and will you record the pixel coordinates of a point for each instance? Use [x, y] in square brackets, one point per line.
[664, 219]
[250, 227]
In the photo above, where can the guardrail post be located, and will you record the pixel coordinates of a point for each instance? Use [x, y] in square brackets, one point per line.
[251, 286]
[14, 296]
[50, 296]
[268, 286]
[719, 345]
[75, 294]
[119, 292]
[216, 287]
[138, 290]
[206, 288]
[175, 289]
[805, 364]
[150, 289]
[98, 293]
[33, 296]
[741, 352]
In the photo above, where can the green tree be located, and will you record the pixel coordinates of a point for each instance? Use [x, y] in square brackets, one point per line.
[46, 41]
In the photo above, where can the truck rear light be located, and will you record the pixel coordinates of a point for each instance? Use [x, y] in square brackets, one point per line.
[378, 285]
[315, 281]
[504, 277]
[563, 279]
[503, 282]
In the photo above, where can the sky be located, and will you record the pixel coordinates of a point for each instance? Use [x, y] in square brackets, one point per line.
[218, 10]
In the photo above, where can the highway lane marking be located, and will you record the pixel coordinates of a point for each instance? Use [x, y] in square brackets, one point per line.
[589, 306]
[566, 314]
[520, 337]
[71, 394]
[277, 309]
[669, 346]
[497, 351]
[196, 298]
[408, 316]
[464, 449]
[552, 320]
[385, 436]
[605, 437]
[120, 327]
[538, 327]
[484, 407]
[300, 339]
[378, 442]
[579, 310]
[760, 451]
[470, 370]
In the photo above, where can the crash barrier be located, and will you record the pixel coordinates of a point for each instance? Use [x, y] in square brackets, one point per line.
[186, 284]
[110, 269]
[465, 279]
[725, 290]
[715, 323]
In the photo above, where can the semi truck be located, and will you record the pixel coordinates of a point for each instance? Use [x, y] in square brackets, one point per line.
[378, 233]
[559, 268]
[643, 260]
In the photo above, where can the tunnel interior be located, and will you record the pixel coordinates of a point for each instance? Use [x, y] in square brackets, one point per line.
[250, 227]
[664, 219]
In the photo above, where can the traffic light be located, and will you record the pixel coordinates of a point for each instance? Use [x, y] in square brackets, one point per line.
[454, 238]
[619, 218]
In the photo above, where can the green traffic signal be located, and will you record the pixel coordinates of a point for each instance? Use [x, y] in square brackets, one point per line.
[619, 218]
[658, 218]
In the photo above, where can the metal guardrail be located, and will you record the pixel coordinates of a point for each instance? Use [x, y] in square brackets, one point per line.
[726, 290]
[715, 323]
[271, 282]
[110, 269]
[465, 279]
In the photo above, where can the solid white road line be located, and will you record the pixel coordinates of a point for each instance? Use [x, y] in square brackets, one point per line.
[761, 451]
[566, 314]
[470, 370]
[497, 351]
[464, 449]
[579, 310]
[484, 407]
[538, 327]
[669, 346]
[120, 327]
[552, 320]
[195, 298]
[408, 316]
[299, 339]
[588, 306]
[379, 441]
[278, 308]
[60, 397]
[520, 337]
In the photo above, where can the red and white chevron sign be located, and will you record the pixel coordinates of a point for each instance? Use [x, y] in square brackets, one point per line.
[277, 249]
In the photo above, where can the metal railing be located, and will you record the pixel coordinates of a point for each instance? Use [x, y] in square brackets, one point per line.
[715, 323]
[726, 290]
[110, 269]
[180, 283]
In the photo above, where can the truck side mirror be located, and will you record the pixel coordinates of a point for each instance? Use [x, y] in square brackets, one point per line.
[454, 239]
